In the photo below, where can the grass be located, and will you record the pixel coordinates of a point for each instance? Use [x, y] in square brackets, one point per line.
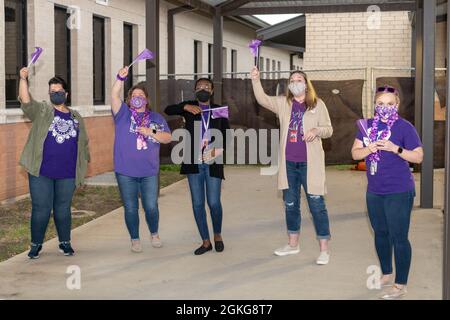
[89, 203]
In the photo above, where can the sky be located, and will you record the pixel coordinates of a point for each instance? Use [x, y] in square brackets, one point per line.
[275, 18]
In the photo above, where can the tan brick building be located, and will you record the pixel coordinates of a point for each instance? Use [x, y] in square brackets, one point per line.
[105, 37]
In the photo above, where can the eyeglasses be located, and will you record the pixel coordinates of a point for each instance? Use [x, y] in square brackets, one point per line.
[388, 89]
[204, 87]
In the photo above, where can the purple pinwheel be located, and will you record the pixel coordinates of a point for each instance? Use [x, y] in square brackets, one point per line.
[144, 55]
[254, 49]
[222, 112]
[35, 56]
[363, 127]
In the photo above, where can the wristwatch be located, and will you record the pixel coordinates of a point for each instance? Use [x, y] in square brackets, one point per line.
[400, 150]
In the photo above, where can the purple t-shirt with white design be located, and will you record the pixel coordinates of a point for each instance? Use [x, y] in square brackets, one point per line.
[130, 159]
[393, 174]
[295, 146]
[60, 152]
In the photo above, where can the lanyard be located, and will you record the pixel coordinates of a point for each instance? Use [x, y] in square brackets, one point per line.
[206, 123]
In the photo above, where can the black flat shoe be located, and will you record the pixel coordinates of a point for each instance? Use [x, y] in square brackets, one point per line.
[203, 250]
[219, 246]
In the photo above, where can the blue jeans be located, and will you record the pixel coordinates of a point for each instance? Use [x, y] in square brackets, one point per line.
[198, 184]
[47, 195]
[390, 217]
[296, 174]
[130, 188]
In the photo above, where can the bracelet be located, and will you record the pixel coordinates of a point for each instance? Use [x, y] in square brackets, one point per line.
[118, 77]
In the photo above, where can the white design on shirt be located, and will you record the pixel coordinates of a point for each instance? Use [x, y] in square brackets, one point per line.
[366, 139]
[153, 125]
[63, 129]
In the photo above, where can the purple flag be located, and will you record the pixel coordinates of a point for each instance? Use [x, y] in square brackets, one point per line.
[254, 49]
[144, 55]
[222, 112]
[363, 127]
[35, 56]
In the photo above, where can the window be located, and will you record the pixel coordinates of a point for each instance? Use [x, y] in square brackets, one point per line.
[99, 60]
[233, 63]
[15, 48]
[197, 58]
[62, 47]
[268, 69]
[279, 69]
[261, 67]
[274, 75]
[210, 58]
[128, 54]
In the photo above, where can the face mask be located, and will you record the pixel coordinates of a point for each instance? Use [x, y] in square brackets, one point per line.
[138, 102]
[297, 88]
[58, 98]
[203, 95]
[386, 111]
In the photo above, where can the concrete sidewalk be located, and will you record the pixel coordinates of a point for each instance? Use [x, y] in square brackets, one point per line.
[253, 227]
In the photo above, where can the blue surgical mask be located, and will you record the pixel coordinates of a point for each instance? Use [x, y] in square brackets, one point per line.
[58, 98]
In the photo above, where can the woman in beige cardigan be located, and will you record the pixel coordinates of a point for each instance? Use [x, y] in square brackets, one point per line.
[304, 122]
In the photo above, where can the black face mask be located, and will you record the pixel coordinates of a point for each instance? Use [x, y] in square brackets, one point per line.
[203, 95]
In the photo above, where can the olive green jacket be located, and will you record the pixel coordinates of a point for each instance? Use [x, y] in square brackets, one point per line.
[41, 115]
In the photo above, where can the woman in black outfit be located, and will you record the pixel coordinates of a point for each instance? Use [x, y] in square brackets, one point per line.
[204, 169]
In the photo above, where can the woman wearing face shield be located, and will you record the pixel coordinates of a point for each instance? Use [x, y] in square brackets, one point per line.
[203, 171]
[304, 122]
[55, 156]
[388, 143]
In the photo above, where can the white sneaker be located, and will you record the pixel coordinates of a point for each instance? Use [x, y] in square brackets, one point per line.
[156, 242]
[136, 246]
[287, 250]
[394, 293]
[324, 258]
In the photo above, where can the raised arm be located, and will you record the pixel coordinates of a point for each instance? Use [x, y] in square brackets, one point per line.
[29, 106]
[24, 94]
[116, 101]
[268, 102]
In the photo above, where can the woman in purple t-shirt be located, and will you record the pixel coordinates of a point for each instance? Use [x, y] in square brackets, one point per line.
[138, 135]
[55, 156]
[388, 143]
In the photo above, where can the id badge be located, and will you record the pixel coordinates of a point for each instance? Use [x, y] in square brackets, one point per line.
[293, 136]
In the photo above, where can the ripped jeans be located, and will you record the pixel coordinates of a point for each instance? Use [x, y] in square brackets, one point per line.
[296, 173]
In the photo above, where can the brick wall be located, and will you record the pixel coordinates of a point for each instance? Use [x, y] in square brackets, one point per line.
[13, 178]
[343, 40]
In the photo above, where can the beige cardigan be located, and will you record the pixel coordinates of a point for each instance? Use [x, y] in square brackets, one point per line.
[316, 118]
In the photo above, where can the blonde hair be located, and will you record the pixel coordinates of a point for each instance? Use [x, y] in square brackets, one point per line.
[311, 95]
[379, 94]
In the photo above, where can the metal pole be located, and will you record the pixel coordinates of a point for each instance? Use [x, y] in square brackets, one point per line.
[428, 91]
[218, 55]
[446, 264]
[152, 40]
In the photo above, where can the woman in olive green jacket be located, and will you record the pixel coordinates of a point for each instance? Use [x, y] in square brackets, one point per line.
[304, 122]
[55, 156]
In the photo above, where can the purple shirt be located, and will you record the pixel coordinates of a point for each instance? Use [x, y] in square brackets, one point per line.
[128, 159]
[393, 174]
[60, 152]
[295, 146]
